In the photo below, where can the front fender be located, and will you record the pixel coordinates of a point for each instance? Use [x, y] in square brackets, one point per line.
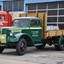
[16, 37]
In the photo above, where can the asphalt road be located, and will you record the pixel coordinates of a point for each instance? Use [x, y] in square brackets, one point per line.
[33, 56]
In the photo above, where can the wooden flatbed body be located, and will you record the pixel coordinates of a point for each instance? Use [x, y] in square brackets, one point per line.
[54, 33]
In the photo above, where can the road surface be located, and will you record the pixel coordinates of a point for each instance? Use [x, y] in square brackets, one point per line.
[33, 56]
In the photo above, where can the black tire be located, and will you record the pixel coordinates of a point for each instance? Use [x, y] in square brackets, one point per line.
[1, 49]
[41, 46]
[60, 45]
[21, 46]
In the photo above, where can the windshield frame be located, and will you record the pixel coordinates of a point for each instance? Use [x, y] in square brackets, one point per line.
[28, 25]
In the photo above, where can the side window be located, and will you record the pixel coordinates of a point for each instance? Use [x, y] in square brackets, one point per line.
[15, 23]
[1, 19]
[35, 23]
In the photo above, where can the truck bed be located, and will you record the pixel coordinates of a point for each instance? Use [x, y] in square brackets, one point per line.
[53, 33]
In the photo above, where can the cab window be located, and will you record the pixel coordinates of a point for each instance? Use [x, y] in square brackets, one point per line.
[35, 23]
[1, 19]
[21, 22]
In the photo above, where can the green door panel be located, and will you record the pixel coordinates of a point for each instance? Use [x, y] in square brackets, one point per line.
[36, 34]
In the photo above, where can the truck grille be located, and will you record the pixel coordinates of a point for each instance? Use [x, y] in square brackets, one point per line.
[3, 31]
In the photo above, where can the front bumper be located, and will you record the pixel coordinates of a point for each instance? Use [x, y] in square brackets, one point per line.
[2, 39]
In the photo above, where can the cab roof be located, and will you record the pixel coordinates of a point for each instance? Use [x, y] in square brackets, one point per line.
[3, 13]
[27, 18]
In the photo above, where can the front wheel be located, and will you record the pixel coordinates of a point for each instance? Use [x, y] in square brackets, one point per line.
[21, 46]
[1, 49]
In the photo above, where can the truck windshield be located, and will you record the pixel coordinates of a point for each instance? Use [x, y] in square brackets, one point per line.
[21, 22]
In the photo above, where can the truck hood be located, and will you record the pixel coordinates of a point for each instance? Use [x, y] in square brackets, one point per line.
[12, 29]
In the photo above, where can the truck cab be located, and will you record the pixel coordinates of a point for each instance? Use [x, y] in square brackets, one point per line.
[24, 29]
[31, 26]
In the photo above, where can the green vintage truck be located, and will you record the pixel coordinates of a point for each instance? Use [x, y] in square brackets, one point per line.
[30, 30]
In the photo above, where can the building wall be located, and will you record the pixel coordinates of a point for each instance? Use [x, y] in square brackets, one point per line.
[55, 11]
[40, 1]
[1, 6]
[9, 0]
[12, 5]
[15, 7]
[5, 0]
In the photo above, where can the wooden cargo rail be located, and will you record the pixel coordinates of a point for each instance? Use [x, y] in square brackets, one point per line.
[53, 33]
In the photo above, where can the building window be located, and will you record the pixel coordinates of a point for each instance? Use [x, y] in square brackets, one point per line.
[61, 26]
[42, 6]
[52, 19]
[61, 4]
[31, 6]
[7, 6]
[16, 6]
[61, 12]
[4, 6]
[21, 5]
[52, 12]
[13, 5]
[52, 5]
[61, 19]
[0, 7]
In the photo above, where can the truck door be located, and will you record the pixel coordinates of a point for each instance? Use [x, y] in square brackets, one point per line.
[35, 30]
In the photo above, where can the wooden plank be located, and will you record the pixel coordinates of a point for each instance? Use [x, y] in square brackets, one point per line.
[31, 14]
[54, 33]
[59, 32]
[40, 15]
[63, 32]
[22, 15]
[43, 17]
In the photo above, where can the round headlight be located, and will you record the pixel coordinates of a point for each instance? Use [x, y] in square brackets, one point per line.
[11, 33]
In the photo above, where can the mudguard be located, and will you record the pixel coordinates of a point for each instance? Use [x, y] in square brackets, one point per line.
[16, 37]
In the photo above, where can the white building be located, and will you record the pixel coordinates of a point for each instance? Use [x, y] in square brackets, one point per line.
[12, 5]
[54, 9]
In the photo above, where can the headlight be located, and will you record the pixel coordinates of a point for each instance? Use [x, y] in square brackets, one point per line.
[2, 37]
[11, 33]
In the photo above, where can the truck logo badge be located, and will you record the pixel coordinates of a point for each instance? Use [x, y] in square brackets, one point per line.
[34, 33]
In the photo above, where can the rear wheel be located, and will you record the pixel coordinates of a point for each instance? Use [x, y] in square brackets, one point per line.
[21, 46]
[60, 45]
[1, 49]
[41, 46]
